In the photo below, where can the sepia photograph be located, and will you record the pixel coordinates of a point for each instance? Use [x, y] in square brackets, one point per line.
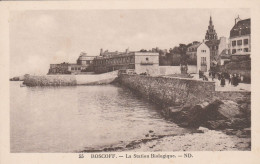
[138, 80]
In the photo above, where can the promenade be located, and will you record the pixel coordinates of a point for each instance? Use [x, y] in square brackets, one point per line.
[227, 87]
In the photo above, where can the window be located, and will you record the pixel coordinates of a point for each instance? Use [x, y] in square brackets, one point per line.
[147, 59]
[234, 43]
[245, 49]
[72, 68]
[245, 41]
[239, 42]
[234, 51]
[203, 60]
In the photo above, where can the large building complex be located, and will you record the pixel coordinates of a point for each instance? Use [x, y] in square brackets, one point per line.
[240, 39]
[141, 62]
[84, 64]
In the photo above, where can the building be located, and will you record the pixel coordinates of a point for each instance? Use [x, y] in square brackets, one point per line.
[84, 64]
[84, 59]
[240, 39]
[192, 52]
[215, 45]
[203, 58]
[141, 62]
[224, 57]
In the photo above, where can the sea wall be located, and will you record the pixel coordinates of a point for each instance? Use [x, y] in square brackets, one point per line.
[194, 103]
[168, 70]
[68, 80]
[169, 91]
[50, 80]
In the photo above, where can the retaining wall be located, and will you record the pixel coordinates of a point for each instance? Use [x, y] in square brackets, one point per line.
[168, 91]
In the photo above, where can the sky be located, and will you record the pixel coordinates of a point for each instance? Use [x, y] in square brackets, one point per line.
[39, 38]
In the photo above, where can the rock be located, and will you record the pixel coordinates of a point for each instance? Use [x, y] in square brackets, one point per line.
[229, 109]
[203, 129]
[197, 114]
[230, 131]
[239, 123]
[214, 115]
[217, 124]
[247, 131]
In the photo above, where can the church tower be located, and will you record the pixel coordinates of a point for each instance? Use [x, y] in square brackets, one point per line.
[211, 33]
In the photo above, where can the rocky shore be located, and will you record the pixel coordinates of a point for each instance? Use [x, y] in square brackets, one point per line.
[195, 104]
[203, 140]
[224, 124]
[217, 114]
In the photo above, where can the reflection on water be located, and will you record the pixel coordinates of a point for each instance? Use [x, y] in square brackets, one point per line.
[68, 119]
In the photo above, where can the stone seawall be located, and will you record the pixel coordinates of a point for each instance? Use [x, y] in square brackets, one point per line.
[194, 103]
[170, 91]
[68, 80]
[50, 80]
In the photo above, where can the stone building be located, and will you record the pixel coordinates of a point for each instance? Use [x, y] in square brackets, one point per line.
[84, 64]
[203, 58]
[141, 62]
[84, 59]
[215, 45]
[240, 39]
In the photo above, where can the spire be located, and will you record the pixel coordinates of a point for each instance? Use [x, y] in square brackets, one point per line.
[211, 33]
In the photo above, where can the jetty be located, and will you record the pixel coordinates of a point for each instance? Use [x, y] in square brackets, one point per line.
[70, 80]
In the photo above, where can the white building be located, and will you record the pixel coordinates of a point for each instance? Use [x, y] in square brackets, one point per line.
[203, 58]
[147, 62]
[240, 38]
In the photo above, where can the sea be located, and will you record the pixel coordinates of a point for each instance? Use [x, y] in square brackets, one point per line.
[73, 119]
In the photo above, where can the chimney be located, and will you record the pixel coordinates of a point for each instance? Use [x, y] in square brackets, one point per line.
[237, 19]
[101, 51]
[127, 51]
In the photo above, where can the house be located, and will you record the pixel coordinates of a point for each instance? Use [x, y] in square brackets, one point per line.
[203, 58]
[240, 39]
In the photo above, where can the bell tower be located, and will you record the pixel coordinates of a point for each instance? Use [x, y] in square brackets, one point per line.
[211, 33]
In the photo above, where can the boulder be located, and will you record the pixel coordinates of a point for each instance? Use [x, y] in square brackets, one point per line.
[217, 124]
[229, 109]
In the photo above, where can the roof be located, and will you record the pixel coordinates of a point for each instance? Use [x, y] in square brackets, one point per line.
[224, 54]
[243, 27]
[210, 43]
[195, 45]
[84, 56]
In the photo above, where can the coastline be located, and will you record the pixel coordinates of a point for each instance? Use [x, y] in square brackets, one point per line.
[206, 140]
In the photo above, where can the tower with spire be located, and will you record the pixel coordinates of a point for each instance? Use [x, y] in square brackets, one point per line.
[211, 33]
